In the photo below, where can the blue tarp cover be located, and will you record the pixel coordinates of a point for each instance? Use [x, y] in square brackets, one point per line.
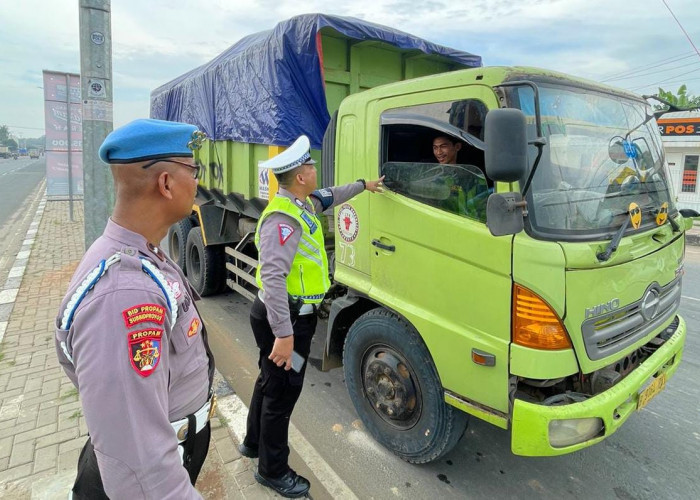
[268, 87]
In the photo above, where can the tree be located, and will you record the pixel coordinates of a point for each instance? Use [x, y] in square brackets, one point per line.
[4, 135]
[680, 99]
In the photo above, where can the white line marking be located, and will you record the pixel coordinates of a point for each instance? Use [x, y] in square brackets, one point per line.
[236, 413]
[16, 272]
[690, 298]
[8, 296]
[24, 254]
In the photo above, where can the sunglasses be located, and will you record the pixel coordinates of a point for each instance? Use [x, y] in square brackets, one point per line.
[196, 169]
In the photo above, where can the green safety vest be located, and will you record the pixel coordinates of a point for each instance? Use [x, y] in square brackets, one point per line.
[308, 277]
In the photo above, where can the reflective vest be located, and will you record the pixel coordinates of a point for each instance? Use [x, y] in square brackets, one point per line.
[308, 277]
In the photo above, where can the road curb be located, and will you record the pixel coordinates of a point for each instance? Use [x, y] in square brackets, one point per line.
[234, 413]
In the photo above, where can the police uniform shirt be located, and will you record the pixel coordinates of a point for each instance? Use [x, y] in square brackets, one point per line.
[135, 371]
[276, 254]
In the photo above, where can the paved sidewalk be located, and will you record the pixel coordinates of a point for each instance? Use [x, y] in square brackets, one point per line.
[41, 425]
[692, 236]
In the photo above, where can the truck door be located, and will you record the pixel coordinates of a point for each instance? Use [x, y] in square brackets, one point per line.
[432, 258]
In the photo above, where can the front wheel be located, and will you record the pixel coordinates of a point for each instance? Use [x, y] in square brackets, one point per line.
[396, 390]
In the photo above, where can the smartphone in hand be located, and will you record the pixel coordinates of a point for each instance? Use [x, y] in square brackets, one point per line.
[297, 361]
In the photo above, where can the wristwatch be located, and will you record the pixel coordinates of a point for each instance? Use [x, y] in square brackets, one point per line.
[364, 184]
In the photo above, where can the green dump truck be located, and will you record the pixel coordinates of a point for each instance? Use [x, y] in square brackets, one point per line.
[533, 284]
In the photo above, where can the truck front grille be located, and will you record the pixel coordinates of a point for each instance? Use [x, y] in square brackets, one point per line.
[612, 332]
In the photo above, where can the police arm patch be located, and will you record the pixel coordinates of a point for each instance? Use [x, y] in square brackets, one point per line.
[143, 313]
[324, 196]
[194, 328]
[285, 232]
[145, 350]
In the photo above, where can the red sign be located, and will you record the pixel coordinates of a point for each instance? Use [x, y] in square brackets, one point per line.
[57, 173]
[60, 130]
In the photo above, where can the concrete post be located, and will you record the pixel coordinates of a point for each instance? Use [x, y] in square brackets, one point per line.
[96, 89]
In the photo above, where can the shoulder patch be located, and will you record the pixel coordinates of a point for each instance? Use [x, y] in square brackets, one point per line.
[285, 232]
[145, 350]
[143, 313]
[325, 196]
[194, 328]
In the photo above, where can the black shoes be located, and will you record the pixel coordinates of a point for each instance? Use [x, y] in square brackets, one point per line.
[291, 485]
[247, 451]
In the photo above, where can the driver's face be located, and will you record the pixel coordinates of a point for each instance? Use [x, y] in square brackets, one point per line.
[445, 151]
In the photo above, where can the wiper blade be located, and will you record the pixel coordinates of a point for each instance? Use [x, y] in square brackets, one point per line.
[615, 242]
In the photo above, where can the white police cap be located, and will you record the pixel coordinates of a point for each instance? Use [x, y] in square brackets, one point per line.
[297, 154]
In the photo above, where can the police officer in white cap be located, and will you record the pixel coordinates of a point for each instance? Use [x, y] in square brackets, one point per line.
[293, 277]
[128, 334]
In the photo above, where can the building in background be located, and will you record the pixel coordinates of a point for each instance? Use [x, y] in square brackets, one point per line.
[681, 137]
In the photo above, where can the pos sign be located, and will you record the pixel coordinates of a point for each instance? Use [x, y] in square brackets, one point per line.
[679, 126]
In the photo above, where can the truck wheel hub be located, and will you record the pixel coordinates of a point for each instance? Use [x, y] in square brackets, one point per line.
[390, 388]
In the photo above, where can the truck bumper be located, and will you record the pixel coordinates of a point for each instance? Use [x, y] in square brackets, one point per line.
[530, 422]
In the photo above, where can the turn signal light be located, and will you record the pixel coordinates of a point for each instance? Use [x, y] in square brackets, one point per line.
[535, 324]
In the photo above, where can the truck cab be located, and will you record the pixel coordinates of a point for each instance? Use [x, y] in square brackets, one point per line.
[535, 281]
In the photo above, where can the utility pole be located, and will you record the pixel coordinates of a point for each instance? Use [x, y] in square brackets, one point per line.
[96, 91]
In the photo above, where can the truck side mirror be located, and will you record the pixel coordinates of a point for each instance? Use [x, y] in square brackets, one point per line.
[506, 161]
[506, 145]
[504, 213]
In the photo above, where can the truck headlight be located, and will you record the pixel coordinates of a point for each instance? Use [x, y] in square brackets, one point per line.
[572, 431]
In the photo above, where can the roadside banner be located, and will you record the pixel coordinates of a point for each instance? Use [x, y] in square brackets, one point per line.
[59, 98]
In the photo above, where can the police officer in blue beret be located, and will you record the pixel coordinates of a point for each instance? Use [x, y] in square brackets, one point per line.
[292, 276]
[128, 334]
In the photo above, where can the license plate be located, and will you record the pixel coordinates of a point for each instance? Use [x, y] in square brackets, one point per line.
[654, 388]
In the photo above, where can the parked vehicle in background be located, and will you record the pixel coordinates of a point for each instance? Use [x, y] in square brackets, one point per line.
[4, 152]
[534, 284]
[33, 153]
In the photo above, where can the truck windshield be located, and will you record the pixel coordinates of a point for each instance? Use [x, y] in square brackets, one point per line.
[603, 152]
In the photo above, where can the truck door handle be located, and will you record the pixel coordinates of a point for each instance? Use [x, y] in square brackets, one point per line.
[379, 244]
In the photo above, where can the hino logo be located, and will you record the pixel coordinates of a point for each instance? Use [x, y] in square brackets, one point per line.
[650, 304]
[602, 308]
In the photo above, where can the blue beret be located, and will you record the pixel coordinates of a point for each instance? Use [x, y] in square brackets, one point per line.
[295, 155]
[147, 139]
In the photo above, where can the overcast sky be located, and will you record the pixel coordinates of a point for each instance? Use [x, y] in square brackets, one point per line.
[155, 41]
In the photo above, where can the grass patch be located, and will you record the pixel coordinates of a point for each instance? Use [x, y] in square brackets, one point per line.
[76, 415]
[70, 394]
[224, 421]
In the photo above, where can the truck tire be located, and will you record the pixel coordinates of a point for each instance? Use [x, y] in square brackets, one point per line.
[177, 241]
[396, 389]
[206, 269]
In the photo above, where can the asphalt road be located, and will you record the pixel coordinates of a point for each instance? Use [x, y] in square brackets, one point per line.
[18, 178]
[19, 181]
[656, 454]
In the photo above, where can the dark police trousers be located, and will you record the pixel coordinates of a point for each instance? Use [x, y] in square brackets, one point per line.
[276, 392]
[88, 482]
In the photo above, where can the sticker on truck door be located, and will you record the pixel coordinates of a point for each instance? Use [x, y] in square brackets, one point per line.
[348, 223]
